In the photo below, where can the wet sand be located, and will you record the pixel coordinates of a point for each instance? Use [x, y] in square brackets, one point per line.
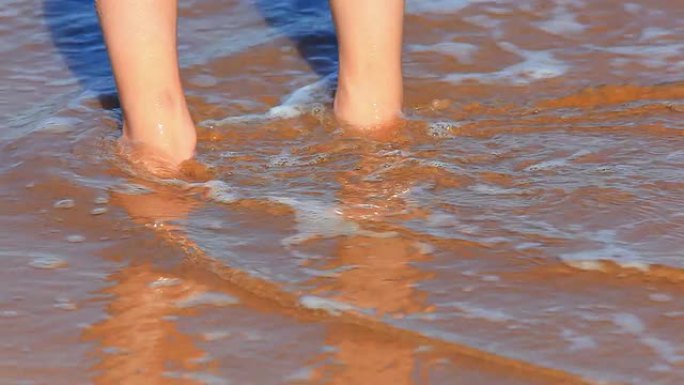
[524, 227]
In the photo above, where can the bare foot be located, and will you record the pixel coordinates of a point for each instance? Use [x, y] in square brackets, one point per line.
[365, 109]
[159, 152]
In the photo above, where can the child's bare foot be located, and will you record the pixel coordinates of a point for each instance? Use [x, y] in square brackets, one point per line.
[159, 146]
[159, 138]
[151, 160]
[368, 106]
[170, 144]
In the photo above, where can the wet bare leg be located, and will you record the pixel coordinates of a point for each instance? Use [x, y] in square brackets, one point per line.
[141, 40]
[370, 89]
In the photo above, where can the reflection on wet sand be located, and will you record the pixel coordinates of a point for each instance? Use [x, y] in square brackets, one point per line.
[538, 179]
[382, 279]
[358, 359]
[139, 342]
[382, 276]
[377, 274]
[377, 280]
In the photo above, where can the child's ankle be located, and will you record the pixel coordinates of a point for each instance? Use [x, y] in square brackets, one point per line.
[367, 107]
[167, 139]
[368, 95]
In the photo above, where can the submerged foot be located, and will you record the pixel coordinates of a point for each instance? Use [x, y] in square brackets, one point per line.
[365, 109]
[159, 152]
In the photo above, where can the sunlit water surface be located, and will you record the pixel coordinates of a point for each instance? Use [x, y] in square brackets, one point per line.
[526, 226]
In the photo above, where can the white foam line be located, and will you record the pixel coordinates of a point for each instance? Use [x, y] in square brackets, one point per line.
[329, 305]
[297, 103]
[536, 65]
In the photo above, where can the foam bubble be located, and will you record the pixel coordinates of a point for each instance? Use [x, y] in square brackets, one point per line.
[548, 164]
[98, 211]
[578, 342]
[65, 304]
[64, 204]
[299, 102]
[57, 125]
[198, 377]
[165, 282]
[463, 52]
[490, 278]
[9, 314]
[326, 304]
[629, 323]
[424, 248]
[334, 273]
[75, 238]
[216, 335]
[300, 375]
[485, 21]
[438, 6]
[660, 297]
[47, 262]
[471, 311]
[638, 265]
[494, 190]
[101, 200]
[585, 265]
[441, 129]
[220, 191]
[528, 245]
[132, 189]
[207, 298]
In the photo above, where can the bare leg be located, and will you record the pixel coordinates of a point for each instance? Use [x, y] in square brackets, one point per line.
[370, 79]
[141, 40]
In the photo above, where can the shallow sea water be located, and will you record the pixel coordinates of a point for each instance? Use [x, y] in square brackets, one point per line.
[526, 226]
